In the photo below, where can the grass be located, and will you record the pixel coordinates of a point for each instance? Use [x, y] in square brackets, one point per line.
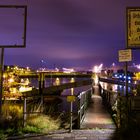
[11, 122]
[39, 124]
[2, 135]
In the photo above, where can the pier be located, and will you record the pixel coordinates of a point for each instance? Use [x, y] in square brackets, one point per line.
[67, 83]
[97, 124]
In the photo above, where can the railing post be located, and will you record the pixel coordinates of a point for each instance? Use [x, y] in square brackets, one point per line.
[79, 112]
[118, 111]
[24, 111]
[1, 79]
[84, 102]
[41, 81]
[71, 116]
[109, 99]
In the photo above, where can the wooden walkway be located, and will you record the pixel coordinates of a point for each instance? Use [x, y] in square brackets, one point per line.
[97, 115]
[97, 125]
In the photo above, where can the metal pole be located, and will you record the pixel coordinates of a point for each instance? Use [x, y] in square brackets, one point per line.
[51, 79]
[126, 93]
[24, 111]
[71, 107]
[79, 112]
[1, 78]
[71, 111]
[39, 83]
[25, 26]
[126, 79]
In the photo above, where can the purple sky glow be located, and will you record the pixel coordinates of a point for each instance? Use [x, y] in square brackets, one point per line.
[67, 33]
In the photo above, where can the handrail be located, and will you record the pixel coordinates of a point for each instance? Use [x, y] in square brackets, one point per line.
[115, 81]
[84, 99]
[120, 106]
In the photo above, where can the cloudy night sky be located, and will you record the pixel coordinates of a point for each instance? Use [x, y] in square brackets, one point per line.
[67, 33]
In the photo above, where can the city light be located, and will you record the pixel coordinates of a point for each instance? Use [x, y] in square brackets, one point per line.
[68, 70]
[57, 81]
[11, 80]
[96, 80]
[97, 69]
[72, 80]
[138, 66]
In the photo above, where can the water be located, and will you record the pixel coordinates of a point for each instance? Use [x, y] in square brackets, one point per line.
[54, 81]
[116, 88]
[64, 106]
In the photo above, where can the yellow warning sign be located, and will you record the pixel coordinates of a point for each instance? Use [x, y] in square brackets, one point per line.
[71, 98]
[125, 55]
[133, 27]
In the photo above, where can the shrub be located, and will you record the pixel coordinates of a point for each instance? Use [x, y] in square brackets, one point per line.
[2, 135]
[41, 124]
[12, 115]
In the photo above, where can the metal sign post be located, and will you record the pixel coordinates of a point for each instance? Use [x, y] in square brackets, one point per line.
[133, 30]
[23, 43]
[1, 78]
[71, 99]
[132, 38]
[125, 56]
[71, 115]
[126, 79]
[2, 46]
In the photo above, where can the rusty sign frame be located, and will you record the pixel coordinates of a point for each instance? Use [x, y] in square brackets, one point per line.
[24, 7]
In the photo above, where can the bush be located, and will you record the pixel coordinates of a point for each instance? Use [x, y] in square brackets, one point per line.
[12, 121]
[41, 124]
[2, 135]
[11, 115]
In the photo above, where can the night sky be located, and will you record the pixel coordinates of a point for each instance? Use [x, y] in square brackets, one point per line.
[68, 33]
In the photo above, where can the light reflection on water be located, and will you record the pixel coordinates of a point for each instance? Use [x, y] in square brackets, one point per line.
[115, 87]
[64, 106]
[54, 81]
